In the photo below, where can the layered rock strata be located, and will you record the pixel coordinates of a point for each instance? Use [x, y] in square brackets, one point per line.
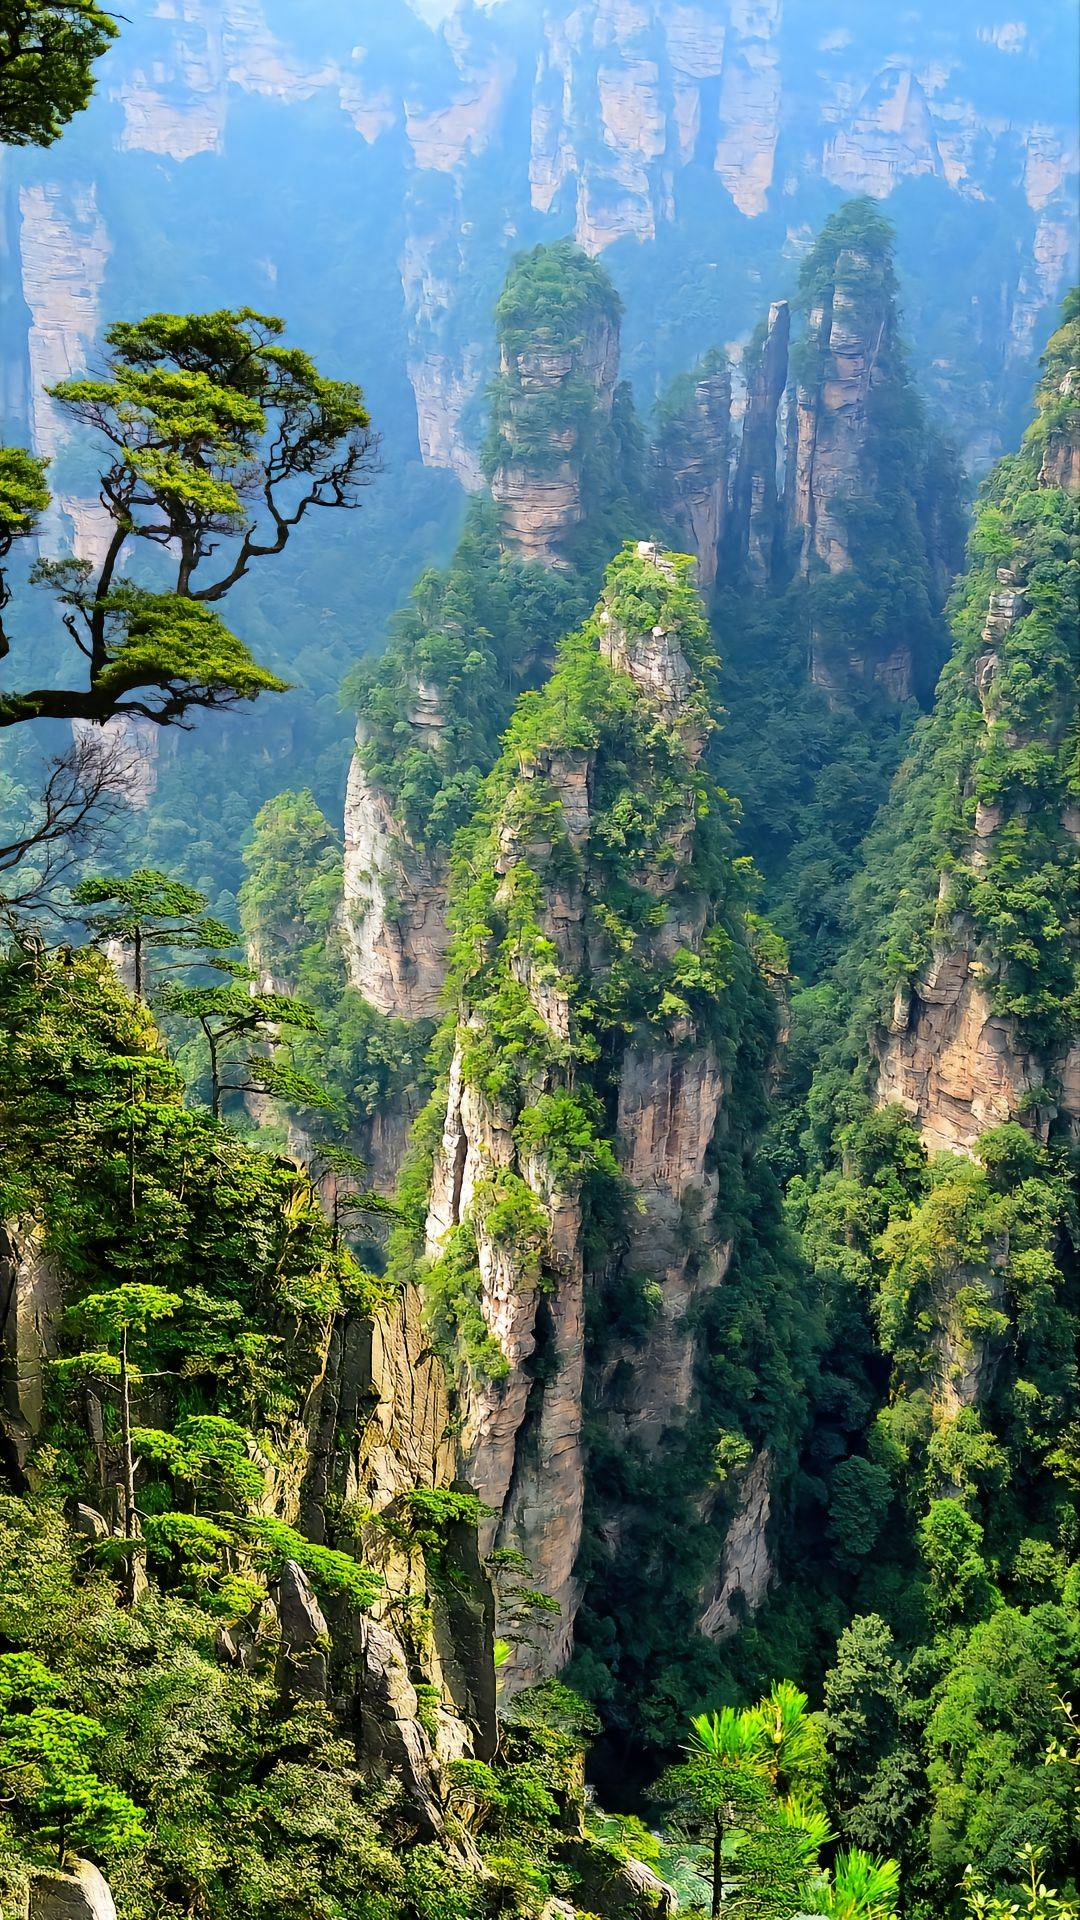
[393, 915]
[554, 391]
[691, 456]
[756, 516]
[505, 1193]
[830, 470]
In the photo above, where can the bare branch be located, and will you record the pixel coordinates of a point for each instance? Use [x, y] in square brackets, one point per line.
[85, 788]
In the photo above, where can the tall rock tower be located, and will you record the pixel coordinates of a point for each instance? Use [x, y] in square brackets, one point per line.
[431, 709]
[604, 991]
[690, 457]
[550, 447]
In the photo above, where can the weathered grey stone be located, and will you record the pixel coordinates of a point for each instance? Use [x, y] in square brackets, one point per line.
[305, 1636]
[88, 1522]
[303, 1623]
[81, 1894]
[756, 501]
[619, 1889]
[31, 1303]
[389, 1731]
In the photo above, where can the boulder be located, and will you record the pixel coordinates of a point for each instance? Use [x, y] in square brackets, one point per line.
[305, 1636]
[81, 1894]
[88, 1522]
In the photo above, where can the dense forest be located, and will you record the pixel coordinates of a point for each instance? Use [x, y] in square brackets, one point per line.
[539, 1273]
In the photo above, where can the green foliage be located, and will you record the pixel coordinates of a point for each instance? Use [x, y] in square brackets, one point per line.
[1036, 1900]
[203, 416]
[999, 741]
[749, 1794]
[47, 53]
[472, 636]
[550, 296]
[147, 909]
[24, 494]
[289, 914]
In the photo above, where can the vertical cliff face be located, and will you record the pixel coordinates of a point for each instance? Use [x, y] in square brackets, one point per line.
[756, 518]
[981, 1033]
[393, 913]
[853, 499]
[557, 324]
[691, 457]
[432, 709]
[846, 336]
[596, 995]
[613, 120]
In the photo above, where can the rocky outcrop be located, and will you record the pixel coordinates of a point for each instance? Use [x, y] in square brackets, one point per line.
[554, 391]
[964, 1362]
[305, 1636]
[446, 377]
[691, 454]
[1061, 457]
[846, 501]
[31, 1299]
[756, 516]
[505, 1201]
[80, 1894]
[613, 119]
[393, 915]
[847, 331]
[745, 1572]
[956, 1066]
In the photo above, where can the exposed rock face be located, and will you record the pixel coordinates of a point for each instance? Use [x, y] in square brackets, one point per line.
[831, 465]
[756, 504]
[380, 1425]
[305, 1636]
[745, 1571]
[606, 116]
[889, 136]
[30, 1307]
[388, 1727]
[445, 381]
[669, 1103]
[964, 1362]
[952, 1055]
[538, 479]
[521, 1434]
[82, 1894]
[394, 911]
[956, 1066]
[1061, 460]
[522, 1422]
[838, 461]
[691, 456]
[64, 246]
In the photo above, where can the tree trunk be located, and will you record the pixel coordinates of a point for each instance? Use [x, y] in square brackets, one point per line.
[138, 957]
[717, 1865]
[130, 1516]
[215, 1077]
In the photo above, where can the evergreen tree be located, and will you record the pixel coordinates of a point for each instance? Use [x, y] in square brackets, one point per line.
[222, 440]
[47, 53]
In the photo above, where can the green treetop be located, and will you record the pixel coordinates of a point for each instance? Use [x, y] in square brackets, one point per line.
[46, 1766]
[232, 1015]
[146, 909]
[47, 53]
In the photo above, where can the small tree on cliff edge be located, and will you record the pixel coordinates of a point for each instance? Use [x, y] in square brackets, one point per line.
[221, 440]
